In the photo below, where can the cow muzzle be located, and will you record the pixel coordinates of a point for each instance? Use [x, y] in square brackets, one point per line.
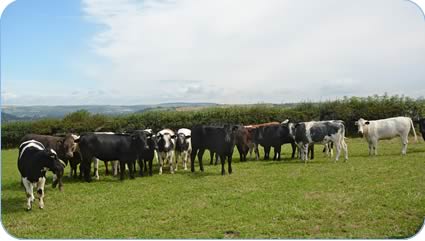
[69, 155]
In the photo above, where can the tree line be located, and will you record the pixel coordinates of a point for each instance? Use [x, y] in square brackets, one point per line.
[347, 109]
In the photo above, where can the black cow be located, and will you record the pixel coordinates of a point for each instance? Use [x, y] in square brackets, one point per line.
[220, 140]
[64, 146]
[422, 127]
[273, 136]
[125, 148]
[148, 154]
[33, 162]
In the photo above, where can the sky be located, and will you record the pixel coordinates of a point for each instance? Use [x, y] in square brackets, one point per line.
[129, 52]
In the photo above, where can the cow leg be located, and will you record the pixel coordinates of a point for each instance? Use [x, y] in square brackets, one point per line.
[375, 147]
[404, 142]
[160, 159]
[229, 163]
[305, 153]
[40, 191]
[130, 165]
[222, 159]
[122, 169]
[106, 168]
[277, 151]
[170, 157]
[338, 150]
[192, 160]
[344, 146]
[216, 159]
[200, 154]
[29, 192]
[178, 155]
[294, 148]
[96, 168]
[240, 150]
[140, 161]
[115, 168]
[311, 149]
[150, 167]
[266, 152]
[211, 157]
[257, 152]
[185, 154]
[370, 148]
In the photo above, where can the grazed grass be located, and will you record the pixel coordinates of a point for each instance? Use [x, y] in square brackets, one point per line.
[367, 197]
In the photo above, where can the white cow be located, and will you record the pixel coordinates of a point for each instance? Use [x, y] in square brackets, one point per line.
[389, 128]
[183, 146]
[166, 143]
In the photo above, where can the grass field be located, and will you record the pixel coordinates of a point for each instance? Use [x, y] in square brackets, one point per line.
[366, 197]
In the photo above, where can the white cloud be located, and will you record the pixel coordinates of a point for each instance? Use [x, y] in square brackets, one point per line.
[252, 51]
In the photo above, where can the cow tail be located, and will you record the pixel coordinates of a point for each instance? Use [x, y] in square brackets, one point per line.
[414, 131]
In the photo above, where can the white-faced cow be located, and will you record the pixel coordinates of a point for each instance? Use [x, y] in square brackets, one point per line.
[376, 130]
[166, 140]
[220, 140]
[33, 162]
[308, 133]
[125, 148]
[183, 146]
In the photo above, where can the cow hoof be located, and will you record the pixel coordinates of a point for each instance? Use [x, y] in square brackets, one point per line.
[28, 209]
[41, 207]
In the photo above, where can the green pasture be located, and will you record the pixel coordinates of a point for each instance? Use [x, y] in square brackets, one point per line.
[366, 197]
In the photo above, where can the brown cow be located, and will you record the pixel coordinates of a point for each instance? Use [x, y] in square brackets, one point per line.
[64, 146]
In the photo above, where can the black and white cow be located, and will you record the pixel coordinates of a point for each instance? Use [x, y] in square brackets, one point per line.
[125, 148]
[220, 140]
[166, 140]
[376, 130]
[308, 133]
[33, 162]
[183, 146]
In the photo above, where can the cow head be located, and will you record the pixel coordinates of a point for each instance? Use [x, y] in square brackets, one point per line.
[362, 126]
[165, 140]
[140, 140]
[229, 133]
[69, 144]
[151, 139]
[55, 165]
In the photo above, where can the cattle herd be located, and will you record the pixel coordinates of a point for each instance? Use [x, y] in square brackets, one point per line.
[40, 153]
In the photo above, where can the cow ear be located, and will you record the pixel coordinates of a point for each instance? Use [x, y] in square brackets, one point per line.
[187, 137]
[173, 136]
[367, 122]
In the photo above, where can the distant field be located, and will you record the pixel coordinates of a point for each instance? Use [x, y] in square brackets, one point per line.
[367, 197]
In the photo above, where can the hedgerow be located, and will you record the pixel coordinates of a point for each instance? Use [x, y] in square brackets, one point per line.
[347, 109]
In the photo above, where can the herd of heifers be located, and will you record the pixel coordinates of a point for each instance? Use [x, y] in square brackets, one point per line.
[40, 153]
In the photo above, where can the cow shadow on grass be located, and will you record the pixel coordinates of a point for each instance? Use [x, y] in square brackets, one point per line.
[14, 204]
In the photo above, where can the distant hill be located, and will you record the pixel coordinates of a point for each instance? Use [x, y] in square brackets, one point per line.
[14, 113]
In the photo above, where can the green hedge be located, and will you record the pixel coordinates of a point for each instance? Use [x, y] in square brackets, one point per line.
[347, 109]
